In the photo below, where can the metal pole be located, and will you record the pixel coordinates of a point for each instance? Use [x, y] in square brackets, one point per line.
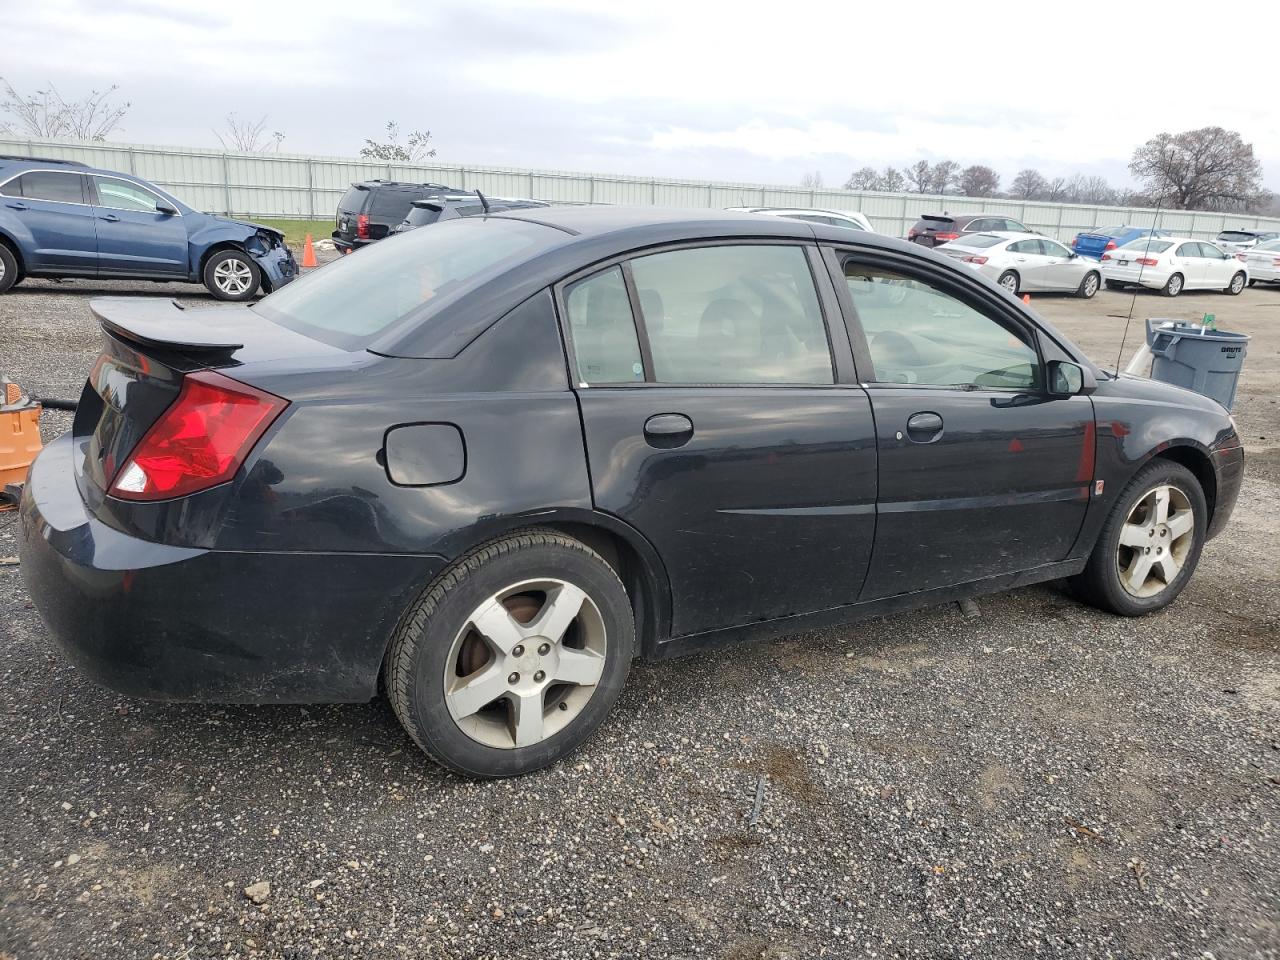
[591, 189]
[311, 191]
[226, 182]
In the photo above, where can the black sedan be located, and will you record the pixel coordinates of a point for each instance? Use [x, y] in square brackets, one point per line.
[492, 462]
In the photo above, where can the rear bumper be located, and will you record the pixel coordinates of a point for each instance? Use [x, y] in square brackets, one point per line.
[349, 246]
[1153, 277]
[176, 623]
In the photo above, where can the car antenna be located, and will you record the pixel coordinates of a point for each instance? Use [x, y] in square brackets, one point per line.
[1141, 266]
[483, 202]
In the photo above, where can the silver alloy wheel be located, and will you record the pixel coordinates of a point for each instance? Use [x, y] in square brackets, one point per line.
[1237, 283]
[1, 271]
[232, 276]
[525, 663]
[1090, 285]
[1175, 285]
[1009, 282]
[1155, 541]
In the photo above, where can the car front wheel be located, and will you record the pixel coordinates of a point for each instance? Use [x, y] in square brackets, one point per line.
[1088, 286]
[1149, 545]
[8, 268]
[513, 657]
[1237, 285]
[232, 275]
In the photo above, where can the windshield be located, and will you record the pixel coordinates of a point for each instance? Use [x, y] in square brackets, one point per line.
[979, 240]
[408, 277]
[1110, 231]
[1148, 244]
[1235, 236]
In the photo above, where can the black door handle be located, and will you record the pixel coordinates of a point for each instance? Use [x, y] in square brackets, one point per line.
[668, 430]
[18, 206]
[110, 218]
[924, 427]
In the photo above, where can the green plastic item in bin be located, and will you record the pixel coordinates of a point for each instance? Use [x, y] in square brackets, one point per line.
[1194, 356]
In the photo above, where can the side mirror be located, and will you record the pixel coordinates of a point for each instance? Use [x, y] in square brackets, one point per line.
[166, 209]
[1067, 379]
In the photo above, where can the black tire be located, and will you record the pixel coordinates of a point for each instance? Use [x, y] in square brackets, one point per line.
[1089, 285]
[1237, 285]
[418, 659]
[237, 263]
[1174, 285]
[8, 268]
[1099, 584]
[1114, 285]
[1010, 281]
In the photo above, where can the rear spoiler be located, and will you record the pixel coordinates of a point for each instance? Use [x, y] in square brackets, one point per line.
[938, 217]
[169, 325]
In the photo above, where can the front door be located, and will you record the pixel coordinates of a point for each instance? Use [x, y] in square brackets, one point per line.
[723, 431]
[981, 472]
[52, 207]
[134, 238]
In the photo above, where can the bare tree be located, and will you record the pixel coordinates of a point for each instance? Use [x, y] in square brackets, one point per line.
[919, 176]
[813, 181]
[865, 179]
[48, 114]
[411, 151]
[1210, 168]
[892, 180]
[943, 176]
[1056, 189]
[248, 136]
[1029, 184]
[979, 181]
[1095, 190]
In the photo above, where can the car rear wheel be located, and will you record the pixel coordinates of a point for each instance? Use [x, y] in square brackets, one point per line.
[1088, 286]
[8, 268]
[1149, 545]
[1237, 284]
[232, 275]
[513, 657]
[1009, 280]
[1174, 286]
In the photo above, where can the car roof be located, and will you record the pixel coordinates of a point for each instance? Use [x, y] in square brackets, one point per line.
[774, 211]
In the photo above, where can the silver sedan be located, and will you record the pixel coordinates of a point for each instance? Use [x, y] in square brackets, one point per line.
[1026, 262]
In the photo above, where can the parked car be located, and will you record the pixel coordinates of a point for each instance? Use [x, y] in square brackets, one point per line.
[1174, 264]
[933, 229]
[1263, 262]
[423, 213]
[493, 461]
[63, 219]
[1026, 263]
[371, 209]
[1095, 243]
[1244, 239]
[832, 218]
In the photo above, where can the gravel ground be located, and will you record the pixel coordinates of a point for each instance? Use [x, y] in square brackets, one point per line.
[1038, 780]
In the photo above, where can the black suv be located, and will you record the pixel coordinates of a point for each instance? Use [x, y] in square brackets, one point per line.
[423, 213]
[935, 229]
[370, 209]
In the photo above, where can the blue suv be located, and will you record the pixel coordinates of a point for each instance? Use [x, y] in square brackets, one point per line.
[59, 218]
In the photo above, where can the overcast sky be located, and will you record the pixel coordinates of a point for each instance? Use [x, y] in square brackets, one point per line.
[740, 91]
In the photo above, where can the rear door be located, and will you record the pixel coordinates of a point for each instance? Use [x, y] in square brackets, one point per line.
[981, 472]
[134, 238]
[724, 422]
[53, 207]
[1031, 264]
[1188, 261]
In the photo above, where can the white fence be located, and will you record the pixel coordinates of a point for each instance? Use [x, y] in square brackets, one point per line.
[300, 186]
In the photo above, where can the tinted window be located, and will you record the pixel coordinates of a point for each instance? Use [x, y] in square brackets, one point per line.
[1269, 245]
[1147, 244]
[1235, 236]
[1051, 248]
[353, 200]
[12, 189]
[981, 240]
[1025, 246]
[421, 216]
[1188, 250]
[62, 187]
[411, 278]
[1109, 231]
[123, 195]
[920, 334]
[1015, 226]
[1210, 252]
[391, 204]
[603, 330]
[983, 224]
[733, 314]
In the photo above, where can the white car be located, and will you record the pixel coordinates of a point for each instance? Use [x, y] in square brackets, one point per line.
[1263, 262]
[834, 218]
[1174, 264]
[1026, 262]
[1242, 239]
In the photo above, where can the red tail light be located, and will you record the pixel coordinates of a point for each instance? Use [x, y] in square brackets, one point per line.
[1106, 256]
[975, 259]
[1111, 245]
[362, 226]
[1147, 261]
[200, 441]
[1276, 262]
[944, 237]
[1241, 257]
[1076, 241]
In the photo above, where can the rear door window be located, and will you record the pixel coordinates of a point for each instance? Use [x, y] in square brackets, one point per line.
[50, 185]
[733, 314]
[1188, 250]
[603, 329]
[391, 204]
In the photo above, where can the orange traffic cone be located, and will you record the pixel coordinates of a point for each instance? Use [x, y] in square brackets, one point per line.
[309, 254]
[1026, 297]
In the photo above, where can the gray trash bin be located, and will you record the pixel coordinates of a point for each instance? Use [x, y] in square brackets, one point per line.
[1200, 359]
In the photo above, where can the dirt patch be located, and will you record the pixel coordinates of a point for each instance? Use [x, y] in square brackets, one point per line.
[787, 768]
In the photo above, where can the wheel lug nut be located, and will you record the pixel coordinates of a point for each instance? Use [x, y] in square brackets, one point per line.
[539, 676]
[563, 705]
[513, 678]
[517, 651]
[544, 649]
